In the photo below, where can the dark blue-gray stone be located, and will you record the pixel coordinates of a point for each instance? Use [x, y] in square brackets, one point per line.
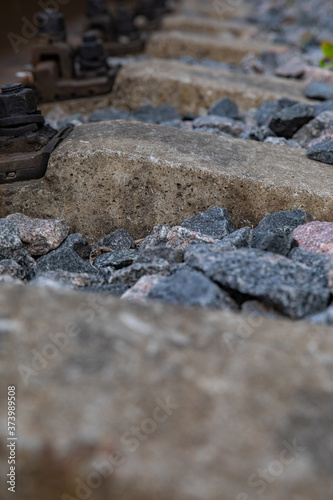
[79, 244]
[322, 152]
[290, 119]
[63, 259]
[9, 267]
[319, 90]
[171, 255]
[224, 107]
[323, 106]
[273, 241]
[107, 114]
[268, 109]
[117, 259]
[215, 222]
[293, 288]
[239, 239]
[118, 240]
[128, 276]
[10, 243]
[286, 221]
[191, 288]
[158, 114]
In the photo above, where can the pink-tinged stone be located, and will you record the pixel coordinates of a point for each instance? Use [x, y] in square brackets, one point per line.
[313, 74]
[322, 138]
[293, 68]
[179, 237]
[315, 237]
[40, 236]
[140, 291]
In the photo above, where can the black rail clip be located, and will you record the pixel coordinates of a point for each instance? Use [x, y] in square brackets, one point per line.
[26, 143]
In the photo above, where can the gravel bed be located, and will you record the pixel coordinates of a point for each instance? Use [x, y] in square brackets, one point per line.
[283, 267]
[285, 122]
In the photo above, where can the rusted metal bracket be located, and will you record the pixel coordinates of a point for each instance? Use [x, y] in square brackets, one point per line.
[26, 143]
[27, 166]
[60, 71]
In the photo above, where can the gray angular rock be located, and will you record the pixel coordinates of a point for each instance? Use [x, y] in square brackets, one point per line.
[293, 288]
[294, 67]
[140, 291]
[323, 106]
[268, 109]
[311, 259]
[273, 241]
[320, 125]
[118, 240]
[107, 114]
[63, 259]
[322, 152]
[24, 259]
[286, 122]
[224, 107]
[158, 237]
[215, 222]
[324, 317]
[171, 255]
[79, 244]
[265, 112]
[191, 288]
[213, 248]
[239, 239]
[39, 236]
[131, 274]
[286, 221]
[117, 259]
[180, 238]
[319, 90]
[10, 243]
[8, 267]
[257, 134]
[320, 139]
[321, 263]
[158, 114]
[222, 123]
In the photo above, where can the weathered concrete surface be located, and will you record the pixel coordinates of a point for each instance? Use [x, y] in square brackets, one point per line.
[206, 25]
[132, 175]
[193, 89]
[175, 44]
[248, 397]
